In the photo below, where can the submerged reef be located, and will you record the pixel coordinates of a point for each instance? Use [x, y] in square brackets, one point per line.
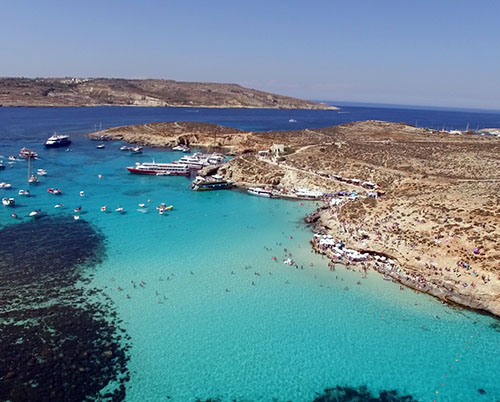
[59, 340]
[361, 394]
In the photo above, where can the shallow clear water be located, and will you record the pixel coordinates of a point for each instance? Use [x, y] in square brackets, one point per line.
[217, 317]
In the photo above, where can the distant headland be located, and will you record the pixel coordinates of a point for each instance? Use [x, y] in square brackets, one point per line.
[57, 92]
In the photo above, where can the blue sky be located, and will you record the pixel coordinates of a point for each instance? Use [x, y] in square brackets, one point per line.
[443, 53]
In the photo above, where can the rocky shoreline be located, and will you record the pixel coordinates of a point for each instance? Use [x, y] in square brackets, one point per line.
[428, 201]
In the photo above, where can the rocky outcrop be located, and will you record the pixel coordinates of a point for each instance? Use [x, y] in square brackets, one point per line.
[151, 92]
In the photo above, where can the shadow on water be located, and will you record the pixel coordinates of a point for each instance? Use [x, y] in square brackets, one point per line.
[58, 341]
[342, 394]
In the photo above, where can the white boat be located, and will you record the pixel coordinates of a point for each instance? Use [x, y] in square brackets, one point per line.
[160, 169]
[119, 209]
[5, 185]
[26, 153]
[24, 192]
[261, 192]
[103, 208]
[41, 172]
[101, 146]
[57, 141]
[76, 217]
[12, 158]
[182, 148]
[292, 121]
[58, 205]
[8, 202]
[124, 148]
[135, 150]
[199, 160]
[33, 179]
[34, 213]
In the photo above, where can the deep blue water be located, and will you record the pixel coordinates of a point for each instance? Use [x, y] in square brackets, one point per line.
[26, 123]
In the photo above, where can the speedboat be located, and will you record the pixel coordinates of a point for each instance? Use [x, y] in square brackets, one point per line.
[2, 166]
[57, 141]
[124, 148]
[33, 179]
[76, 217]
[82, 193]
[41, 172]
[35, 213]
[142, 205]
[101, 146]
[77, 209]
[182, 148]
[24, 192]
[119, 209]
[5, 185]
[261, 192]
[8, 202]
[12, 158]
[103, 208]
[58, 205]
[54, 191]
[136, 150]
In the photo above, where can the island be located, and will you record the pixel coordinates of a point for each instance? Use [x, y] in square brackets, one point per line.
[52, 92]
[420, 206]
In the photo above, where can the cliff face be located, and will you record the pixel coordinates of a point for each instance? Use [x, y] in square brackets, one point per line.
[151, 92]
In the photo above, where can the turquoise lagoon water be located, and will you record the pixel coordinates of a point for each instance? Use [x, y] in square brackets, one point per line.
[217, 317]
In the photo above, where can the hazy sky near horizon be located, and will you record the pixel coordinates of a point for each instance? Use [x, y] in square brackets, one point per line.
[440, 52]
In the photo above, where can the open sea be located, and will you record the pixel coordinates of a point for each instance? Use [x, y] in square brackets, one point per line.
[190, 305]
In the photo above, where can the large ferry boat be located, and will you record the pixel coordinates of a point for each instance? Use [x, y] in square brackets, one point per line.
[160, 169]
[214, 182]
[58, 141]
[199, 160]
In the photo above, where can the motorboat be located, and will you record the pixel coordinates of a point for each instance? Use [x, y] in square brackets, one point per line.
[214, 182]
[35, 213]
[76, 217]
[136, 150]
[2, 166]
[24, 192]
[58, 205]
[33, 179]
[261, 192]
[101, 146]
[103, 208]
[8, 202]
[54, 191]
[41, 172]
[124, 148]
[160, 169]
[26, 153]
[119, 209]
[5, 185]
[56, 140]
[77, 209]
[13, 158]
[182, 148]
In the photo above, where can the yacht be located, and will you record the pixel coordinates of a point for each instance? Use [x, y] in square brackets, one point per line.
[214, 182]
[261, 192]
[160, 169]
[57, 141]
